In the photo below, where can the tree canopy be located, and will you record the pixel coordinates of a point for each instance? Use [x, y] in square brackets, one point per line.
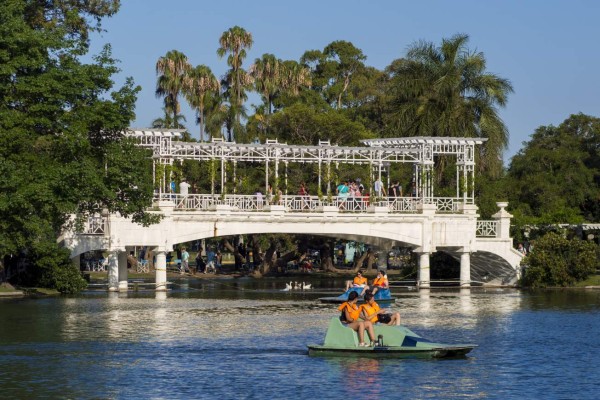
[62, 149]
[554, 178]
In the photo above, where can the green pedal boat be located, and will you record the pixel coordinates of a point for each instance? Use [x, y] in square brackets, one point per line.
[392, 341]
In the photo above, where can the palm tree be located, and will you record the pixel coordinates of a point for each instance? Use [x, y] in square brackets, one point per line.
[171, 70]
[295, 77]
[267, 73]
[446, 91]
[198, 84]
[235, 41]
[167, 121]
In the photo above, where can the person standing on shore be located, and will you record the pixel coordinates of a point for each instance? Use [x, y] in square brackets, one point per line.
[185, 257]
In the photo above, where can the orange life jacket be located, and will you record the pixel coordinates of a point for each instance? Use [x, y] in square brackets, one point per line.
[360, 280]
[380, 281]
[370, 311]
[353, 310]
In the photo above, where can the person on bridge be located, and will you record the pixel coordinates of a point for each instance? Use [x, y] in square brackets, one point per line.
[359, 281]
[303, 192]
[380, 282]
[378, 187]
[259, 200]
[370, 311]
[350, 317]
[343, 191]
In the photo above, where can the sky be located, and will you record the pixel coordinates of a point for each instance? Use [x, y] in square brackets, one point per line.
[547, 49]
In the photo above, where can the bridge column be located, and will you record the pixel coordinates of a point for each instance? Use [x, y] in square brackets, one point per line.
[465, 269]
[113, 272]
[123, 271]
[424, 271]
[161, 271]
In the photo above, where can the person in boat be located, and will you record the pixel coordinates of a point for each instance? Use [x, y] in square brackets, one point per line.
[351, 318]
[370, 311]
[381, 282]
[358, 281]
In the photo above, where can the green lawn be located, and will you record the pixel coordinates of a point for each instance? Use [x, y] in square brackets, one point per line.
[592, 280]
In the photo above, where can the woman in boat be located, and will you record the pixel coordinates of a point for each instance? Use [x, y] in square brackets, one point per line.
[370, 311]
[350, 317]
[358, 281]
[381, 282]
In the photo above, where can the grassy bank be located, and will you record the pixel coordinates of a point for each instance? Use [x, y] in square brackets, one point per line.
[592, 280]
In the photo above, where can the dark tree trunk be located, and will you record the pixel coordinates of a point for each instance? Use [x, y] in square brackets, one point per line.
[233, 249]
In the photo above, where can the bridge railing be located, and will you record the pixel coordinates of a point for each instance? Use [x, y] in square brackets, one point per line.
[295, 203]
[486, 229]
[94, 225]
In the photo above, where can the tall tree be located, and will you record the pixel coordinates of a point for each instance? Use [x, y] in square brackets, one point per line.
[445, 91]
[167, 120]
[267, 73]
[172, 68]
[62, 149]
[234, 42]
[553, 179]
[333, 70]
[199, 84]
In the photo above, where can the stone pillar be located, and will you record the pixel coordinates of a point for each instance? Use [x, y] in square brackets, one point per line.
[503, 218]
[424, 271]
[465, 269]
[161, 271]
[122, 271]
[113, 272]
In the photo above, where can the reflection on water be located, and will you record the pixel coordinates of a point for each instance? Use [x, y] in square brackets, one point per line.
[129, 345]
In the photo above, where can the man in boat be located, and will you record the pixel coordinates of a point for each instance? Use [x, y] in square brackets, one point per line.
[381, 282]
[370, 311]
[358, 281]
[350, 317]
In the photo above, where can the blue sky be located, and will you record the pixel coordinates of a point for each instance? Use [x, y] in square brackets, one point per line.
[548, 49]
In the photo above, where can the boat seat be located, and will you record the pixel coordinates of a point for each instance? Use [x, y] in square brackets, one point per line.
[339, 335]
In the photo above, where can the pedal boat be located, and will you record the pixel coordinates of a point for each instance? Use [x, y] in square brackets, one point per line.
[383, 296]
[396, 342]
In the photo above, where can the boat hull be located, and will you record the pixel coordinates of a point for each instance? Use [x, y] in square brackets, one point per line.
[391, 352]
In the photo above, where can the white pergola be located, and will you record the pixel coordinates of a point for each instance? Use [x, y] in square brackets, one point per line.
[378, 153]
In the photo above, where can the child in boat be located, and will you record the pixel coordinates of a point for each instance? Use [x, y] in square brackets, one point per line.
[358, 281]
[350, 317]
[381, 282]
[370, 311]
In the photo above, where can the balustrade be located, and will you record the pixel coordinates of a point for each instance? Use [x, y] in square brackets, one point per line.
[486, 229]
[94, 225]
[295, 203]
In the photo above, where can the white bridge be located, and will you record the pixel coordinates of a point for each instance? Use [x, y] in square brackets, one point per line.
[423, 222]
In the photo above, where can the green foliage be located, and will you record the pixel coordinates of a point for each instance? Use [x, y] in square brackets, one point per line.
[302, 124]
[557, 261]
[554, 178]
[446, 91]
[62, 149]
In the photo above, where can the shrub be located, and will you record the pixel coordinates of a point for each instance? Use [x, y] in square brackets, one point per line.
[557, 261]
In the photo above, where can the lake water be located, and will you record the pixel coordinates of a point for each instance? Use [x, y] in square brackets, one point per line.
[243, 339]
